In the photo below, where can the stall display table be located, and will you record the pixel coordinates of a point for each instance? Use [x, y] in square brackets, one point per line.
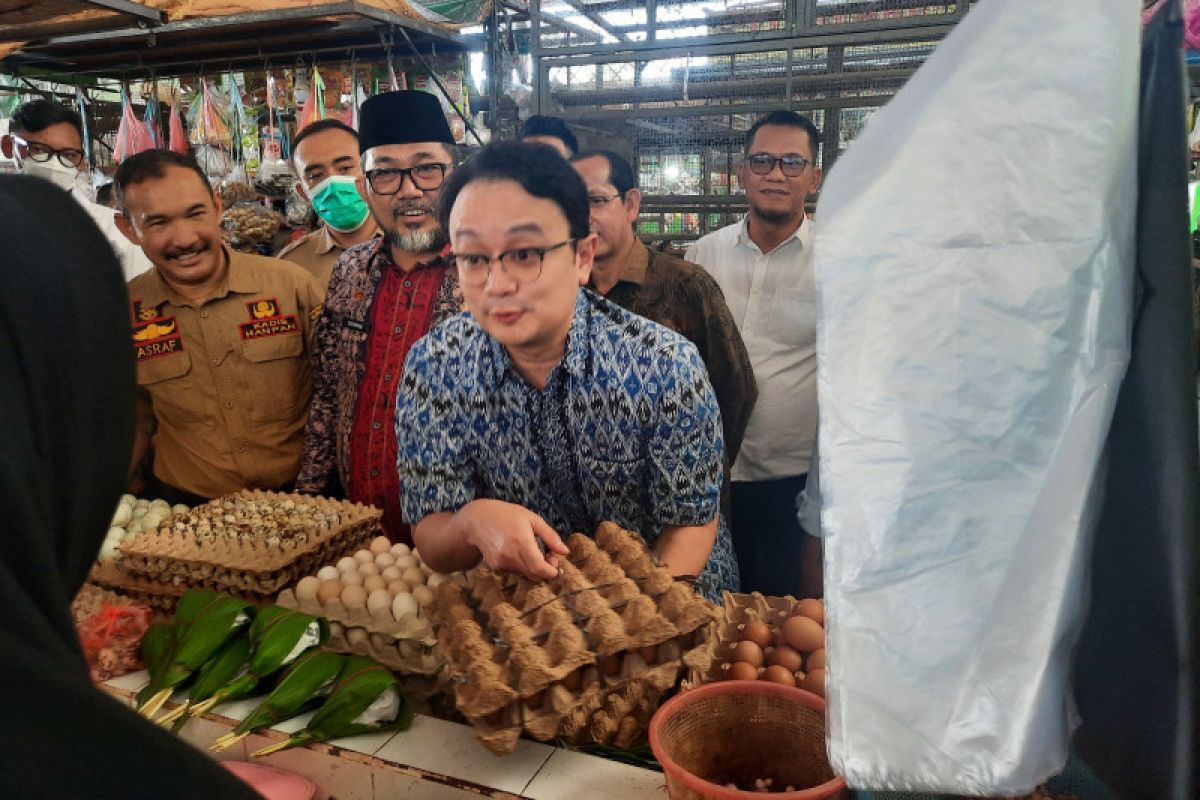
[433, 760]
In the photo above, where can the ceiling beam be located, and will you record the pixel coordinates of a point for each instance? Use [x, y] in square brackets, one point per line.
[140, 12]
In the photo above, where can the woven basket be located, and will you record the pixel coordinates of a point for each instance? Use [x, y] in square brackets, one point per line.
[738, 732]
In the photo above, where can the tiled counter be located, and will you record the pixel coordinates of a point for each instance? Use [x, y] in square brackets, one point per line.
[432, 760]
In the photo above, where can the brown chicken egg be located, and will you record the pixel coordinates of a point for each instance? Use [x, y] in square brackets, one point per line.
[758, 632]
[379, 544]
[778, 674]
[786, 657]
[306, 589]
[816, 660]
[804, 634]
[328, 590]
[373, 583]
[354, 597]
[741, 671]
[749, 652]
[814, 682]
[811, 608]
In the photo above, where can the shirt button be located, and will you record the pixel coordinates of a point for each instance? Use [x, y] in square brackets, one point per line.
[229, 404]
[241, 448]
[374, 473]
[408, 284]
[387, 377]
[399, 329]
[204, 314]
[216, 362]
[376, 425]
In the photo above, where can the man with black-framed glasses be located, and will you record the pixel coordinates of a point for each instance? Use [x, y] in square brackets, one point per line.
[45, 139]
[763, 265]
[547, 409]
[383, 295]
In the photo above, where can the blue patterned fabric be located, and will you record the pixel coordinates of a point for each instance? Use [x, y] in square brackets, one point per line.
[627, 429]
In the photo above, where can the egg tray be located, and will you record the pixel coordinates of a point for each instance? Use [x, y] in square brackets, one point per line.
[544, 657]
[172, 553]
[162, 595]
[736, 610]
[406, 646]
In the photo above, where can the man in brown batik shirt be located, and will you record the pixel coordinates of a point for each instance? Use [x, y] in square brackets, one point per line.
[666, 290]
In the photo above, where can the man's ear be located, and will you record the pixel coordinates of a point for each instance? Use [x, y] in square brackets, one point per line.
[633, 204]
[125, 226]
[585, 253]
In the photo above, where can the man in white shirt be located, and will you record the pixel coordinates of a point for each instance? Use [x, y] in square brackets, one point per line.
[46, 140]
[763, 265]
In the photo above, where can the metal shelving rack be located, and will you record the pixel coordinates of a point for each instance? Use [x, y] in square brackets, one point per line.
[674, 84]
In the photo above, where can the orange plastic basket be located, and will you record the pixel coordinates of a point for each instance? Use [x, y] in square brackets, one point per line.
[738, 732]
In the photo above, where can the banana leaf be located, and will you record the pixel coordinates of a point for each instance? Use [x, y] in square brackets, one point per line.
[155, 646]
[366, 698]
[201, 628]
[229, 662]
[278, 636]
[303, 685]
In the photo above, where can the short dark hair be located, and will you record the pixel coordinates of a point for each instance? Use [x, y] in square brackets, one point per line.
[526, 164]
[37, 115]
[539, 125]
[104, 193]
[792, 119]
[152, 164]
[620, 174]
[318, 127]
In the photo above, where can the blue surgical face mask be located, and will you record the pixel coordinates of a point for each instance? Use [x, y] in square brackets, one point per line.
[337, 201]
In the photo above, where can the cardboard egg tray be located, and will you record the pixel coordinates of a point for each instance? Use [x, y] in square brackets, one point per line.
[261, 557]
[406, 645]
[585, 656]
[736, 611]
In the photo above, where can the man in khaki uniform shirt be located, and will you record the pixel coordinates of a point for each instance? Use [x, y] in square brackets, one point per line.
[222, 340]
[325, 158]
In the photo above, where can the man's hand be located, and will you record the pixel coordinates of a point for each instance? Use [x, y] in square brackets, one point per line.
[507, 535]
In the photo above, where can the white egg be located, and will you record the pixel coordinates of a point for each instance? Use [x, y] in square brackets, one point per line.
[363, 556]
[347, 564]
[179, 508]
[122, 516]
[139, 511]
[401, 549]
[405, 605]
[413, 577]
[391, 574]
[368, 569]
[384, 560]
[128, 500]
[328, 573]
[351, 579]
[436, 580]
[379, 601]
[306, 589]
[406, 562]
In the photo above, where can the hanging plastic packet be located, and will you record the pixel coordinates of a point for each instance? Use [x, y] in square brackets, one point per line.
[132, 136]
[150, 117]
[313, 108]
[178, 142]
[247, 130]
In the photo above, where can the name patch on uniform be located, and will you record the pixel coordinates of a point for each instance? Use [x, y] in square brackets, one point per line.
[153, 334]
[265, 320]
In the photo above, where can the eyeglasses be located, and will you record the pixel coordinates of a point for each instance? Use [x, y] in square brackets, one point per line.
[41, 153]
[764, 164]
[522, 264]
[388, 180]
[600, 201]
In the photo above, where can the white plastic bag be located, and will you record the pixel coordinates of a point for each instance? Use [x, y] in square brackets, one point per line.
[973, 258]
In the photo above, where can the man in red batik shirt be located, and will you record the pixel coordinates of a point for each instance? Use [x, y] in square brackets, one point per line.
[383, 296]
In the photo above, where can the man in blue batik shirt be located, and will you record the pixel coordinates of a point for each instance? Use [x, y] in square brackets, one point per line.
[546, 409]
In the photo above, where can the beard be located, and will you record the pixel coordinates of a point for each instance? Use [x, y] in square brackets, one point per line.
[419, 241]
[773, 217]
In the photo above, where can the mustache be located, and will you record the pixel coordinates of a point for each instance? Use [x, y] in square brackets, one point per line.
[185, 251]
[412, 205]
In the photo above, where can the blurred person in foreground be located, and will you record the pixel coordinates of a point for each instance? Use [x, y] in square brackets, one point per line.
[67, 405]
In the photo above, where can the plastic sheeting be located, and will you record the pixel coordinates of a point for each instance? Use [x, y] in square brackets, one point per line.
[973, 257]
